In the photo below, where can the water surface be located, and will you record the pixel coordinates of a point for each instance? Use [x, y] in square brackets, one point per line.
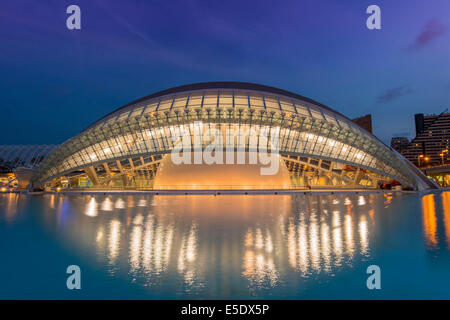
[225, 246]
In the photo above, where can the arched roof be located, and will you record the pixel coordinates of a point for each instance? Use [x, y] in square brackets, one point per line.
[29, 156]
[219, 85]
[121, 132]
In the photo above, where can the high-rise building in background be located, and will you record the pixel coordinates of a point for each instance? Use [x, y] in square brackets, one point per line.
[399, 143]
[364, 122]
[431, 144]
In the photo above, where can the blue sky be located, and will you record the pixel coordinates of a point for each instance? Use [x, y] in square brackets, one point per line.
[55, 81]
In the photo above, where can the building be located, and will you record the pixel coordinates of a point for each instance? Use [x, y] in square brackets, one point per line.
[431, 144]
[364, 122]
[18, 162]
[399, 143]
[315, 146]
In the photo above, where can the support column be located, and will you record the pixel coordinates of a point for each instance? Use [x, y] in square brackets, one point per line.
[375, 182]
[119, 165]
[132, 173]
[123, 176]
[130, 161]
[108, 172]
[90, 171]
[358, 176]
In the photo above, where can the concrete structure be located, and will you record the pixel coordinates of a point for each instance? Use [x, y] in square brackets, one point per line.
[319, 147]
[441, 174]
[431, 144]
[18, 162]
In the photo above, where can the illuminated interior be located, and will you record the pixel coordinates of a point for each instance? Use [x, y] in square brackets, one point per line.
[319, 146]
[219, 176]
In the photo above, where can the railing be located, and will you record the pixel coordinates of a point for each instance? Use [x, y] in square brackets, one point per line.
[215, 188]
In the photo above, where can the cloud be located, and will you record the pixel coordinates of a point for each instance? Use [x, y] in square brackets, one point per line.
[393, 93]
[432, 30]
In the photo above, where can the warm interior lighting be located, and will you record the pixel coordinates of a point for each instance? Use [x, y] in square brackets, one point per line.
[241, 123]
[219, 176]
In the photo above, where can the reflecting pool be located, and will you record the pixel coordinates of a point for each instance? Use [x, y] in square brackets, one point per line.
[313, 246]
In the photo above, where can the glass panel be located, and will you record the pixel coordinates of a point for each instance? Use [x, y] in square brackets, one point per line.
[271, 102]
[165, 104]
[151, 106]
[316, 114]
[302, 110]
[286, 105]
[210, 100]
[180, 101]
[226, 99]
[137, 111]
[195, 99]
[256, 101]
[330, 118]
[240, 100]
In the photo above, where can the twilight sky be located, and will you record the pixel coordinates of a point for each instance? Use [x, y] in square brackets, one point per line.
[55, 81]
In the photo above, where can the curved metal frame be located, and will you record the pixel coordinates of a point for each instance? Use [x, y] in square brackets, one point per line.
[146, 126]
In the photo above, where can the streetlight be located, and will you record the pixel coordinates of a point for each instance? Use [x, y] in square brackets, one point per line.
[442, 154]
[418, 159]
[426, 159]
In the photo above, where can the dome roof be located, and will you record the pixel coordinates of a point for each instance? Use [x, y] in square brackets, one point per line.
[143, 127]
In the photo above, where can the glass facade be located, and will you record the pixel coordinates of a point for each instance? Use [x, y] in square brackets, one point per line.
[29, 156]
[305, 129]
[17, 163]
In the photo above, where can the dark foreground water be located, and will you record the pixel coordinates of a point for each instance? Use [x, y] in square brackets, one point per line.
[249, 246]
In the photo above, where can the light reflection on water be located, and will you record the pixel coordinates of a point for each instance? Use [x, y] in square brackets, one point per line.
[429, 219]
[446, 209]
[235, 246]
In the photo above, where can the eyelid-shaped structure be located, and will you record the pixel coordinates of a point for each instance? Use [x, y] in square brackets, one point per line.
[307, 130]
